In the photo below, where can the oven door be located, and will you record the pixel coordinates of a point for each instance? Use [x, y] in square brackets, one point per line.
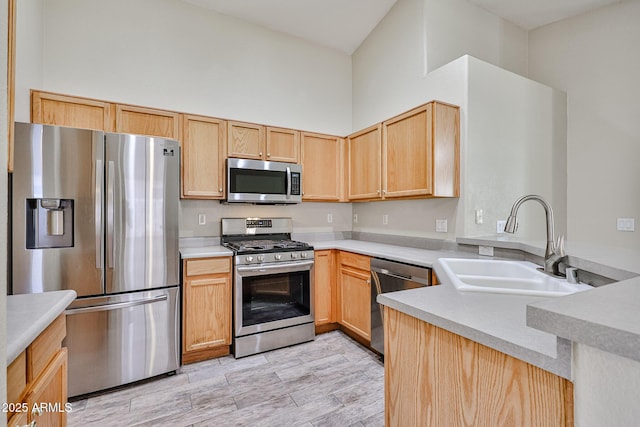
[272, 296]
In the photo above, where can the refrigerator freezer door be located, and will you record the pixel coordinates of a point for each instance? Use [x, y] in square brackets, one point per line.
[57, 165]
[121, 339]
[142, 193]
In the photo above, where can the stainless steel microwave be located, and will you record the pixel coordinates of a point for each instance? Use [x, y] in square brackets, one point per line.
[255, 181]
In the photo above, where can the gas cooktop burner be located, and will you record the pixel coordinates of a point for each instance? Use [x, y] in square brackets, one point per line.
[244, 246]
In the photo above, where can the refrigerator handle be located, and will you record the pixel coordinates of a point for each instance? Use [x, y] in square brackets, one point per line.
[115, 306]
[98, 212]
[110, 214]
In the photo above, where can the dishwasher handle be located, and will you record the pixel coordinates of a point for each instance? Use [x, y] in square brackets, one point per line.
[385, 272]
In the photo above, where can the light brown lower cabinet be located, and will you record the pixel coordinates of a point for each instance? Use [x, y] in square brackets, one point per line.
[206, 308]
[37, 380]
[324, 291]
[354, 294]
[437, 378]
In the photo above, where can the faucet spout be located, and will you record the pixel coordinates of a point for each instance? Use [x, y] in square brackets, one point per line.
[554, 252]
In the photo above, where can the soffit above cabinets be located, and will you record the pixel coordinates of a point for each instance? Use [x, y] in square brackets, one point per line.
[344, 24]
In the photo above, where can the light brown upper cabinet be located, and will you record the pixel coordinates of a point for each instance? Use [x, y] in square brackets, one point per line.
[64, 110]
[420, 153]
[257, 142]
[147, 121]
[245, 140]
[364, 163]
[283, 145]
[323, 167]
[204, 142]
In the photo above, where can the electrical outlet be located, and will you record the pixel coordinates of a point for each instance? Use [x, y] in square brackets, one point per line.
[500, 226]
[485, 250]
[329, 218]
[626, 224]
[441, 225]
[355, 218]
[202, 219]
[479, 216]
[385, 219]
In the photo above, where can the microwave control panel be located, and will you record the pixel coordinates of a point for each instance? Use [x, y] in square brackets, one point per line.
[295, 184]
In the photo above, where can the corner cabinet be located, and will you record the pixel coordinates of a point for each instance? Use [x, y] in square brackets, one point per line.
[354, 295]
[413, 155]
[206, 308]
[203, 145]
[37, 380]
[434, 377]
[323, 167]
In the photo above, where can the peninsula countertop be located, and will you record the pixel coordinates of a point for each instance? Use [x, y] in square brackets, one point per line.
[28, 315]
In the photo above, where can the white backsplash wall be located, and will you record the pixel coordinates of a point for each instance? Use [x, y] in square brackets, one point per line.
[307, 217]
[415, 218]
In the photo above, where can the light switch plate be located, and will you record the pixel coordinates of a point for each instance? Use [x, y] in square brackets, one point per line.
[441, 225]
[500, 226]
[626, 224]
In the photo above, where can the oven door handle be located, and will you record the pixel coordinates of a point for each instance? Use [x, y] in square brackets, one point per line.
[276, 268]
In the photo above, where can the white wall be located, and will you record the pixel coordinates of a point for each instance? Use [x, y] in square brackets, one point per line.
[516, 144]
[594, 58]
[170, 54]
[173, 55]
[606, 388]
[458, 27]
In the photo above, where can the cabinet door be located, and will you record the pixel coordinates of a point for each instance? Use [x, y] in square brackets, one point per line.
[147, 121]
[206, 305]
[407, 154]
[324, 287]
[207, 312]
[72, 111]
[245, 140]
[203, 154]
[355, 301]
[283, 145]
[50, 388]
[364, 164]
[322, 167]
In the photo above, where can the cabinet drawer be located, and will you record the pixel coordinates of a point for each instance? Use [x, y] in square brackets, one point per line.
[361, 262]
[199, 267]
[43, 348]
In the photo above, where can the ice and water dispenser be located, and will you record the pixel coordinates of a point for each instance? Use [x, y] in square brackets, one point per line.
[49, 223]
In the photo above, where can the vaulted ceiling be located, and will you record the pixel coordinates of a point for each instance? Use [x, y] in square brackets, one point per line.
[344, 24]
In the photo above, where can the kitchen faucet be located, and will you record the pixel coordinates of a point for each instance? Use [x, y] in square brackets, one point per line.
[554, 253]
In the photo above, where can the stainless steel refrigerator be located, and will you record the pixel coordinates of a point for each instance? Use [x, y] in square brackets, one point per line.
[98, 213]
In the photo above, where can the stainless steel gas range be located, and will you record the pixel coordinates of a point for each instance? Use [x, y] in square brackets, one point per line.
[273, 284]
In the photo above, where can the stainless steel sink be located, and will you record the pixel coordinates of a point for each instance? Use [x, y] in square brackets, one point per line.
[504, 276]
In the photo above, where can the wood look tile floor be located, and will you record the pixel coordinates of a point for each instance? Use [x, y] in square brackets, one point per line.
[332, 381]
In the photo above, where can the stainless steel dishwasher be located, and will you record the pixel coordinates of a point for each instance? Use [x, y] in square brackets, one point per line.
[391, 276]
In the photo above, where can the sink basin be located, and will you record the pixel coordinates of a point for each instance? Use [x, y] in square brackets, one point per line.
[505, 277]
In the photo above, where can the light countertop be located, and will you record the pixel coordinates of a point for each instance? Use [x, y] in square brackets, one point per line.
[607, 317]
[28, 315]
[537, 330]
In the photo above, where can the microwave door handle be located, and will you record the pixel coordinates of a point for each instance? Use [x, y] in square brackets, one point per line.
[288, 182]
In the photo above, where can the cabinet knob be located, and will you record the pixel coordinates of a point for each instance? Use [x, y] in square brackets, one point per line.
[260, 154]
[268, 154]
[377, 191]
[220, 189]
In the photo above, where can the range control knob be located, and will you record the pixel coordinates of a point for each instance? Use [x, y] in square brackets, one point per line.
[303, 255]
[260, 258]
[249, 259]
[294, 255]
[278, 257]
